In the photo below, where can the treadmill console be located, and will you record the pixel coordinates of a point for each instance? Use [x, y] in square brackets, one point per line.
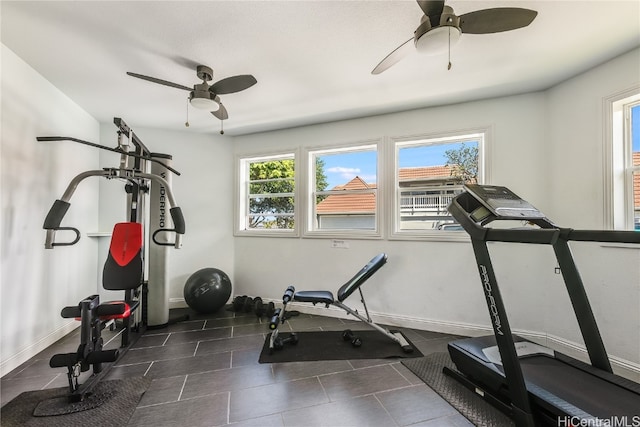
[501, 202]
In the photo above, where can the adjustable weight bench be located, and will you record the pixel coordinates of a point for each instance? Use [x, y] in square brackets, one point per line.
[326, 297]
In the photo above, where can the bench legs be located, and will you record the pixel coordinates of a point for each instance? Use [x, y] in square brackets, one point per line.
[276, 342]
[395, 336]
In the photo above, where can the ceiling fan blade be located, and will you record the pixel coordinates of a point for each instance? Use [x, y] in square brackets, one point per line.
[431, 8]
[496, 20]
[221, 113]
[159, 81]
[403, 50]
[233, 84]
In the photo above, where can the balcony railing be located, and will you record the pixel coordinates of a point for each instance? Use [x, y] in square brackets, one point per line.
[431, 204]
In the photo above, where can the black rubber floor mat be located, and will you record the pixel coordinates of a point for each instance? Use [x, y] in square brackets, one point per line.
[329, 345]
[116, 401]
[476, 410]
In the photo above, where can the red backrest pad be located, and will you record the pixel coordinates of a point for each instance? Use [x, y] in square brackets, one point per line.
[126, 242]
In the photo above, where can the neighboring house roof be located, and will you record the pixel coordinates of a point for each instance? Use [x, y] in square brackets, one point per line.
[349, 203]
[422, 173]
[366, 203]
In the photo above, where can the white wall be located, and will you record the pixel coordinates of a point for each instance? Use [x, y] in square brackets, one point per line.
[37, 283]
[575, 123]
[545, 146]
[427, 284]
[203, 191]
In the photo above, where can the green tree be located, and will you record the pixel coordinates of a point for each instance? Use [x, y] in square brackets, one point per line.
[463, 162]
[321, 178]
[276, 177]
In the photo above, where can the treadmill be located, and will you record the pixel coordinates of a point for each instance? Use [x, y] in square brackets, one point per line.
[533, 384]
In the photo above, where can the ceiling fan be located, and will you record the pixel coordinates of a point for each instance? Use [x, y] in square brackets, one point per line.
[205, 96]
[440, 28]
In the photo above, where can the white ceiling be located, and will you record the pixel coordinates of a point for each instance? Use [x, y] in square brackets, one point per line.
[312, 59]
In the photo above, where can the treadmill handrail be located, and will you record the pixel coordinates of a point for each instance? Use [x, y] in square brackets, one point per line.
[602, 236]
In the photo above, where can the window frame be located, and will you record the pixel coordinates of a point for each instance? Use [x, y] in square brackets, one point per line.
[618, 160]
[242, 195]
[310, 153]
[481, 134]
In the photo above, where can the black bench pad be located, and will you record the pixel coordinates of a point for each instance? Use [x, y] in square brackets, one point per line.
[323, 297]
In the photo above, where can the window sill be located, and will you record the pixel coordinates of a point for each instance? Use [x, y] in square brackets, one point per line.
[266, 233]
[342, 235]
[435, 236]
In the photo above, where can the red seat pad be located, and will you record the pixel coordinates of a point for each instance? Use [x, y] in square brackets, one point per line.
[126, 242]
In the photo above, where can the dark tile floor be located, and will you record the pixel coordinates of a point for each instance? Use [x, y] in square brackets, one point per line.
[205, 372]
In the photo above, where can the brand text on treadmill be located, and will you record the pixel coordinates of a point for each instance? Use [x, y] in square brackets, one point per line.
[615, 421]
[492, 301]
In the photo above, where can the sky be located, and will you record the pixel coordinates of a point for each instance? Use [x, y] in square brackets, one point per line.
[342, 168]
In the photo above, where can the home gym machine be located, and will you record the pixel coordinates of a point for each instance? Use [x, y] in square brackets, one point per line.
[534, 384]
[145, 302]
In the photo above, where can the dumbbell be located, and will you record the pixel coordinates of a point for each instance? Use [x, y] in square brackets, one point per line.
[248, 305]
[348, 335]
[279, 342]
[238, 303]
[259, 307]
[271, 309]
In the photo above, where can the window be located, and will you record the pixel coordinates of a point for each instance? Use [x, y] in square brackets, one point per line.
[428, 173]
[622, 157]
[633, 163]
[343, 191]
[267, 195]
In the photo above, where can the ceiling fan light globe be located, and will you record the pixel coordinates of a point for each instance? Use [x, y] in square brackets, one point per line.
[436, 40]
[202, 100]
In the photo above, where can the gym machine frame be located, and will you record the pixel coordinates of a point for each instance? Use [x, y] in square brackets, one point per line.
[92, 314]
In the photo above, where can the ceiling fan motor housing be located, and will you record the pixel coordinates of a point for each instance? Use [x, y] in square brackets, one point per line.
[201, 91]
[437, 41]
[447, 18]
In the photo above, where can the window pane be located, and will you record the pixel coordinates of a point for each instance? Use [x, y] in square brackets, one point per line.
[635, 157]
[429, 176]
[636, 196]
[345, 197]
[269, 194]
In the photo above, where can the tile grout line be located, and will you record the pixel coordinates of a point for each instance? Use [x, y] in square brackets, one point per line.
[182, 388]
[375, 396]
[148, 368]
[52, 380]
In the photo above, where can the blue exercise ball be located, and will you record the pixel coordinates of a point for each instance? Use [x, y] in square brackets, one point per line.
[207, 290]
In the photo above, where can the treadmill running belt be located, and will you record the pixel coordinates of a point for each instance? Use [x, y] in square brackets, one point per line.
[589, 393]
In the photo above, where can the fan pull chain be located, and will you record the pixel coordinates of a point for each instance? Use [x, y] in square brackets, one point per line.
[221, 126]
[186, 124]
[449, 66]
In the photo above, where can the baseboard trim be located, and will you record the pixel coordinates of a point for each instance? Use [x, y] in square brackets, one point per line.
[177, 303]
[28, 352]
[622, 367]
